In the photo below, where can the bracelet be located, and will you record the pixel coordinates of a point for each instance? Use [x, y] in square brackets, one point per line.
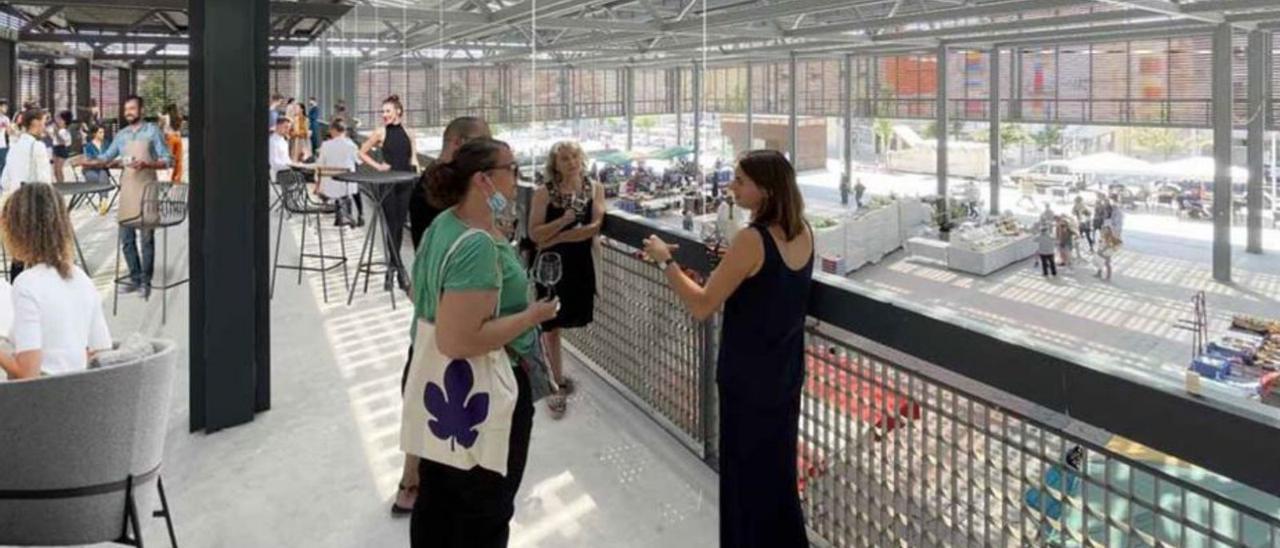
[663, 265]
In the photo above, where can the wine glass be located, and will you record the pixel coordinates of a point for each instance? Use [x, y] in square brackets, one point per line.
[547, 271]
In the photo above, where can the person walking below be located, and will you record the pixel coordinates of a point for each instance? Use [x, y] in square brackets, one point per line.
[1045, 247]
[565, 218]
[144, 152]
[468, 408]
[94, 171]
[398, 154]
[1108, 245]
[1083, 220]
[1066, 241]
[763, 284]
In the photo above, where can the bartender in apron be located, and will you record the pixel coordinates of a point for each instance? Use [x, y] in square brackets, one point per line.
[141, 151]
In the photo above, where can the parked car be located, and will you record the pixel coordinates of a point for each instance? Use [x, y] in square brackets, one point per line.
[1049, 173]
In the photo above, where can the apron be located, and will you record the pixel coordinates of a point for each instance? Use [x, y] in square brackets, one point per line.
[458, 412]
[134, 181]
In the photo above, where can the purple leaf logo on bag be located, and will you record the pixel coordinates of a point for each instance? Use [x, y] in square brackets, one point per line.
[455, 410]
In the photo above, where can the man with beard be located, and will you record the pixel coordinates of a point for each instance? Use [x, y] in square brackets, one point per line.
[141, 151]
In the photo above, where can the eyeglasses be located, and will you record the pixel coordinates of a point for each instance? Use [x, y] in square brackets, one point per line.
[513, 167]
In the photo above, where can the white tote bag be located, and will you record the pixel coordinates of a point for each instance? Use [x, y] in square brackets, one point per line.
[458, 412]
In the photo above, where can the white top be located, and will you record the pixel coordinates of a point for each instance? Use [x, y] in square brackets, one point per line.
[60, 317]
[343, 153]
[5, 122]
[28, 161]
[62, 137]
[280, 159]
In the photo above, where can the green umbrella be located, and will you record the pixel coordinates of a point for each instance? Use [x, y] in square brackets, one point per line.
[616, 157]
[672, 153]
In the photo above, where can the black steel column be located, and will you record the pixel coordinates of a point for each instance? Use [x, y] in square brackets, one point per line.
[83, 89]
[230, 321]
[9, 73]
[46, 88]
[123, 80]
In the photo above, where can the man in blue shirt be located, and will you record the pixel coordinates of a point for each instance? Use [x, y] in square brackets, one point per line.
[313, 120]
[144, 151]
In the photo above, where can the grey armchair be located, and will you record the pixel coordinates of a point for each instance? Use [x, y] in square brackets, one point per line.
[77, 448]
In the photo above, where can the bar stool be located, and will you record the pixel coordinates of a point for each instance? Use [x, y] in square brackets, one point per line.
[163, 205]
[294, 200]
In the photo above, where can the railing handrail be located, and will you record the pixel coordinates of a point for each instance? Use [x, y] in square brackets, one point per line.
[1209, 433]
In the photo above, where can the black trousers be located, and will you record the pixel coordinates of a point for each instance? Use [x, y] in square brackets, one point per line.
[473, 508]
[395, 209]
[1048, 265]
[1087, 232]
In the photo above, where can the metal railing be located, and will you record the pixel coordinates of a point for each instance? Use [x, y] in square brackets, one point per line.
[897, 450]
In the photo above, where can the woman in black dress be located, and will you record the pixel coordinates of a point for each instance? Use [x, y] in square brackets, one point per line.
[565, 218]
[763, 283]
[398, 154]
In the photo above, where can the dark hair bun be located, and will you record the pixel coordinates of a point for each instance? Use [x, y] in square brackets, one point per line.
[443, 189]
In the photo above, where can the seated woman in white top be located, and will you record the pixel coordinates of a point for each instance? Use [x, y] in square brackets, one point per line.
[57, 313]
[28, 158]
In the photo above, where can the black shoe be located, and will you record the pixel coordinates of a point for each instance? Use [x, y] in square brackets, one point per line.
[128, 287]
[146, 290]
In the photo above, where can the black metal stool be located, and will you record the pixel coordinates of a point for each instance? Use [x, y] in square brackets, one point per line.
[294, 200]
[163, 205]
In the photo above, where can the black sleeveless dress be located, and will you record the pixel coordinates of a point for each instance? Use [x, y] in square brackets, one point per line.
[577, 287]
[760, 374]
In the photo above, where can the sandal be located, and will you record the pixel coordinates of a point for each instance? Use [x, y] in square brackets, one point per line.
[567, 386]
[556, 404]
[405, 499]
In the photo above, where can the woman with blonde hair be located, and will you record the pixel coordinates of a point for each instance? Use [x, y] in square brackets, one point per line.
[565, 219]
[300, 137]
[57, 319]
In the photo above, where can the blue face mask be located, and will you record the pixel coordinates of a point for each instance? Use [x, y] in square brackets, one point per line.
[498, 204]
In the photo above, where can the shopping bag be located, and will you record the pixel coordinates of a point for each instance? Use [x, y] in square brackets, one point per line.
[457, 412]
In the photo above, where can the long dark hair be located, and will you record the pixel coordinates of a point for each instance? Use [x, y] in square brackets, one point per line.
[782, 203]
[447, 182]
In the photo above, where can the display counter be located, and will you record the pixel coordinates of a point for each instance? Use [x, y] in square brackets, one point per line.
[987, 260]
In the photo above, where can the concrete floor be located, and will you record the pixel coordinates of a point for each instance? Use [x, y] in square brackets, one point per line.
[320, 468]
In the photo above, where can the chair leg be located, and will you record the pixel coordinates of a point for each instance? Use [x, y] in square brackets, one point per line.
[275, 264]
[342, 242]
[324, 266]
[164, 291]
[165, 513]
[130, 518]
[115, 277]
[302, 247]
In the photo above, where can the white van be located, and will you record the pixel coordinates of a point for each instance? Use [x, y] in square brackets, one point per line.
[1049, 173]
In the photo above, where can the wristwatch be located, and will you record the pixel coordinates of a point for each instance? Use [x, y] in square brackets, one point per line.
[662, 265]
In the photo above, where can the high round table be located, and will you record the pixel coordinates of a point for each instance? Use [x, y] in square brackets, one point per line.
[78, 193]
[377, 185]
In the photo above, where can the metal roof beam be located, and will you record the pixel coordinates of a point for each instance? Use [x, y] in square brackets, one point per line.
[981, 10]
[767, 13]
[300, 9]
[1081, 35]
[38, 20]
[1225, 5]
